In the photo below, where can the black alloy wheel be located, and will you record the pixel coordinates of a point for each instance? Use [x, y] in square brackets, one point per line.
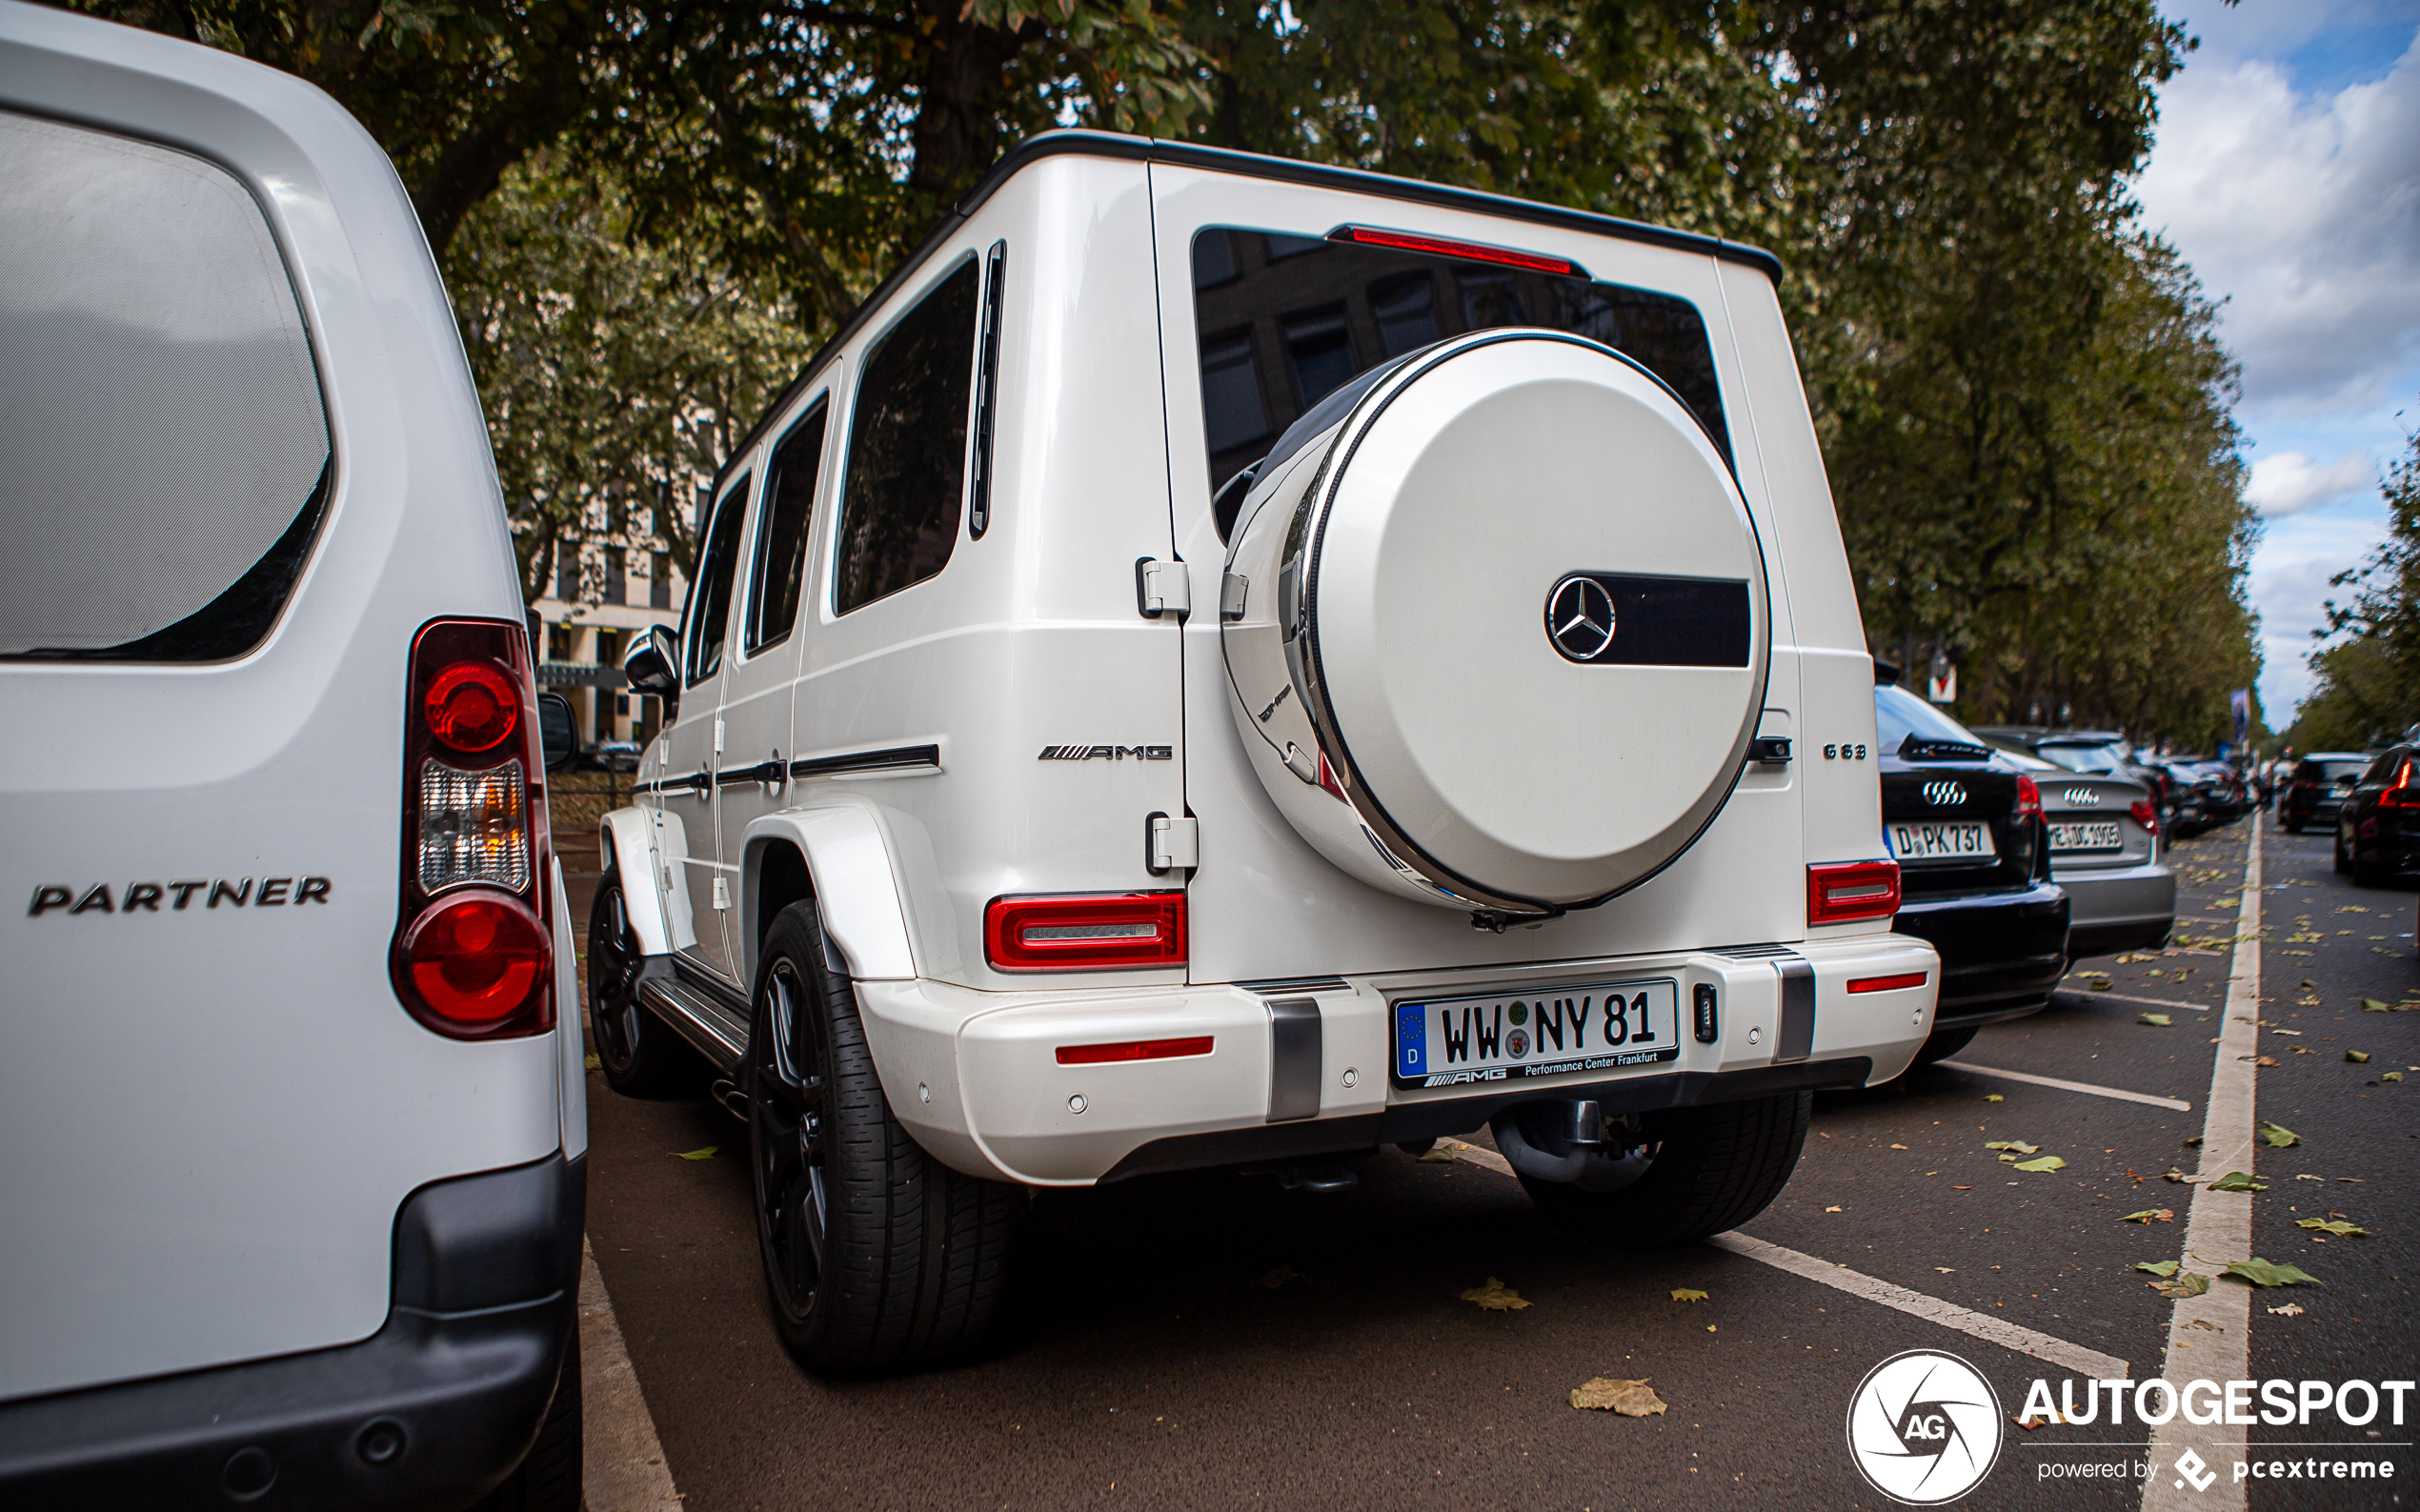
[789, 1126]
[638, 1053]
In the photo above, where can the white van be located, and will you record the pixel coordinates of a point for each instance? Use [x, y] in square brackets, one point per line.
[1224, 662]
[292, 1093]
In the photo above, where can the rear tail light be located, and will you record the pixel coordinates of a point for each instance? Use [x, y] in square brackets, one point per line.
[2028, 797]
[2401, 796]
[1840, 892]
[2145, 815]
[1905, 979]
[1134, 1050]
[1090, 932]
[472, 957]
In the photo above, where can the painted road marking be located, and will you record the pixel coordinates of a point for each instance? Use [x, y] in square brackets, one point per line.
[2144, 1097]
[2119, 997]
[2218, 1228]
[622, 1465]
[1874, 1289]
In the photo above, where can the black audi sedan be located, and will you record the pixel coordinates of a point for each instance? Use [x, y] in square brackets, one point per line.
[1974, 867]
[2378, 822]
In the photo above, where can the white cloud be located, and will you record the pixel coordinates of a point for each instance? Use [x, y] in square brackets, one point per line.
[2290, 482]
[2303, 213]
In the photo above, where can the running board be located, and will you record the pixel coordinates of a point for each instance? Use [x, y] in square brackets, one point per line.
[718, 1033]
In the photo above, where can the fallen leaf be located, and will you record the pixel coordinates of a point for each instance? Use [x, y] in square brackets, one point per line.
[2189, 1284]
[1687, 1294]
[2359, 1057]
[2308, 1176]
[2155, 1021]
[1962, 1189]
[2371, 1005]
[2270, 1060]
[1946, 1270]
[2336, 1226]
[1631, 1399]
[1709, 1328]
[2291, 1310]
[2029, 1424]
[2149, 1215]
[2193, 1141]
[2278, 1135]
[2157, 1267]
[2237, 1182]
[1899, 1146]
[592, 1062]
[1438, 1155]
[1496, 1296]
[2048, 1162]
[1278, 1277]
[2018, 1145]
[2263, 1273]
[2172, 1174]
[1831, 1210]
[706, 1154]
[1993, 1096]
[2391, 1076]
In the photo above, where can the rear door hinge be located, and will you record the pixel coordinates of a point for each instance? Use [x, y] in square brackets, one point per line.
[1169, 844]
[1162, 587]
[1231, 594]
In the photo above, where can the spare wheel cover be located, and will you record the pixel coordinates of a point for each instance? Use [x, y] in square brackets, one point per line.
[1506, 647]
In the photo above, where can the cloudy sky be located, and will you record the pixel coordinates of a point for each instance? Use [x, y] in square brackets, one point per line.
[2288, 170]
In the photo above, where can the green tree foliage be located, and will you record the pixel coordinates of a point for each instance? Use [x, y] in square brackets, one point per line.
[2368, 681]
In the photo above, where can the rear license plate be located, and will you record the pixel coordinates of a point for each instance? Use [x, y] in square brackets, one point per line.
[1608, 1026]
[1941, 841]
[2068, 839]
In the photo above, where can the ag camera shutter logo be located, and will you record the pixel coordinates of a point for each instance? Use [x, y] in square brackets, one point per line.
[1925, 1428]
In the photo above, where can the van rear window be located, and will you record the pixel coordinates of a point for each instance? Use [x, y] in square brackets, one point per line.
[164, 452]
[1282, 321]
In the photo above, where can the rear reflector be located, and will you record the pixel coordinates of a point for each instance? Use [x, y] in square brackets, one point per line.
[1840, 892]
[1132, 1050]
[1906, 979]
[1469, 252]
[1089, 932]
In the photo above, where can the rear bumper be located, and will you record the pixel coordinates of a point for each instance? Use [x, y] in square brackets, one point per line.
[485, 1277]
[2000, 955]
[2118, 908]
[1301, 1068]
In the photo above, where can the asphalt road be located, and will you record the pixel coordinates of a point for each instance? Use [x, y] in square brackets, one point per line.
[1215, 1341]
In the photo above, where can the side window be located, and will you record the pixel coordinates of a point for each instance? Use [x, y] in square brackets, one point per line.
[781, 536]
[161, 432]
[907, 447]
[710, 600]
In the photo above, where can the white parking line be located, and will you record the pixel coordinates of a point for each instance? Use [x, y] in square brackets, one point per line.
[2218, 1228]
[2144, 1097]
[2119, 997]
[1839, 1277]
[622, 1465]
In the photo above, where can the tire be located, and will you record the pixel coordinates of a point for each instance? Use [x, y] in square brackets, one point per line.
[2292, 828]
[548, 1478]
[1715, 1167]
[638, 1052]
[2344, 863]
[1942, 1043]
[876, 1255]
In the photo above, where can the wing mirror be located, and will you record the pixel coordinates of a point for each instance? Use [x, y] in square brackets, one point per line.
[654, 661]
[558, 730]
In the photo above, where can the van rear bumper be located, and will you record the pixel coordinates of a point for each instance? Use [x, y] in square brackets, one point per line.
[486, 1281]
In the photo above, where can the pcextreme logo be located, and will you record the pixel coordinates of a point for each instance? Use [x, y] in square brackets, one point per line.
[1924, 1427]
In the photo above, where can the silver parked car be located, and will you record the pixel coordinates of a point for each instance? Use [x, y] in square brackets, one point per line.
[2105, 852]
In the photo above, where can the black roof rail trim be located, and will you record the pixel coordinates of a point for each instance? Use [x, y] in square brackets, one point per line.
[1223, 160]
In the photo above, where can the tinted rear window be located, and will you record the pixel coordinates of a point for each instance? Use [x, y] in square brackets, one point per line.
[1282, 321]
[2092, 761]
[781, 537]
[163, 448]
[907, 447]
[1899, 714]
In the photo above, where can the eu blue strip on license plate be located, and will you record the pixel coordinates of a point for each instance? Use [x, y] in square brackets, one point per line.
[1603, 1027]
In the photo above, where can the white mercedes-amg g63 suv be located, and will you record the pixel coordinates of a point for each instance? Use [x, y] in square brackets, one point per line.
[1228, 662]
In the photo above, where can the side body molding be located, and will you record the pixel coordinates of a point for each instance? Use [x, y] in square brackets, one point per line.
[855, 885]
[629, 845]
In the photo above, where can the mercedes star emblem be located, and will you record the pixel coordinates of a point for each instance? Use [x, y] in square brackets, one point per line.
[1580, 618]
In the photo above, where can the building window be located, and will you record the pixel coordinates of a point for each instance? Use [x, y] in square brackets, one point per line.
[609, 648]
[563, 643]
[617, 576]
[659, 580]
[567, 571]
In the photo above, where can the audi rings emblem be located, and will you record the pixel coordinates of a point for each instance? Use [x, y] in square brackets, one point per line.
[1945, 795]
[1580, 618]
[2081, 797]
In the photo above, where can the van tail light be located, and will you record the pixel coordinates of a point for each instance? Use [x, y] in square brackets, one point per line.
[2145, 815]
[1840, 892]
[2028, 797]
[472, 957]
[1086, 932]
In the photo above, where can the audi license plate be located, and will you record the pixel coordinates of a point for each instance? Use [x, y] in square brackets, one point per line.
[1952, 840]
[2070, 839]
[1445, 1041]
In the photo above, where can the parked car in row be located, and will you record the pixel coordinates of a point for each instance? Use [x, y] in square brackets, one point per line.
[1975, 869]
[2105, 855]
[2318, 787]
[2209, 792]
[1162, 692]
[2092, 753]
[2378, 819]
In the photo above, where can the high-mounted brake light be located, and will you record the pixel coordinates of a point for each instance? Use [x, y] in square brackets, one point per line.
[1905, 979]
[2146, 815]
[1467, 251]
[472, 957]
[1134, 1050]
[1842, 892]
[1089, 932]
[2028, 797]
